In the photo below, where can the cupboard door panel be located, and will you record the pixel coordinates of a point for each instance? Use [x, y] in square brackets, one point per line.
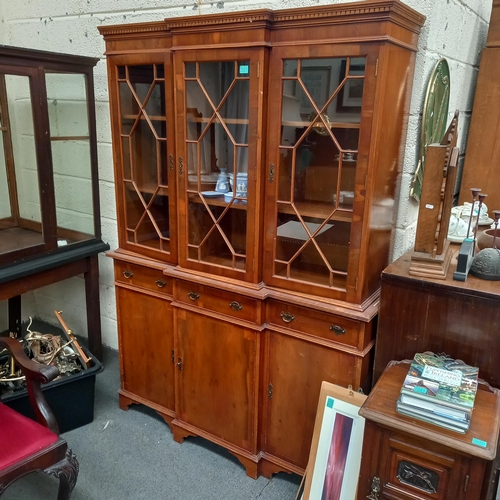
[296, 370]
[145, 326]
[218, 378]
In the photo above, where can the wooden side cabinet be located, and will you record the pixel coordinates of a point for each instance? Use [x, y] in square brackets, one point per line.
[460, 318]
[405, 458]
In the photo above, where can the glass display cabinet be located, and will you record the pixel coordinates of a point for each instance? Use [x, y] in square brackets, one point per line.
[49, 200]
[254, 229]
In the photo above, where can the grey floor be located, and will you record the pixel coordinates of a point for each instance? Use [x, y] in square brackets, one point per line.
[132, 455]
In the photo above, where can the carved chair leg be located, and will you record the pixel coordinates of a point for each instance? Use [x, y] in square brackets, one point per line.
[67, 472]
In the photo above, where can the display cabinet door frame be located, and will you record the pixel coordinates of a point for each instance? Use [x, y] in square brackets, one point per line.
[353, 206]
[230, 253]
[167, 246]
[47, 225]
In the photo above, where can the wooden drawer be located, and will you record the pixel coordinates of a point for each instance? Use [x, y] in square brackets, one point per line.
[143, 277]
[320, 324]
[228, 303]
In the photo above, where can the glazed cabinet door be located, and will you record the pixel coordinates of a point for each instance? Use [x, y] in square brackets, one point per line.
[294, 370]
[146, 344]
[319, 141]
[142, 119]
[217, 377]
[219, 98]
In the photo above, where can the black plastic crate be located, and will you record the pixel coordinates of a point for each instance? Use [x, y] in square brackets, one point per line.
[71, 398]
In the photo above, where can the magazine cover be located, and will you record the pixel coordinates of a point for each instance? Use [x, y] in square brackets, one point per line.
[442, 380]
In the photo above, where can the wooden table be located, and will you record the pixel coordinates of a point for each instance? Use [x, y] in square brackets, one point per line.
[31, 274]
[404, 457]
[461, 319]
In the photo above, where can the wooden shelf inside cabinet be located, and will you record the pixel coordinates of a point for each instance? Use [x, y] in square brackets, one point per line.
[143, 117]
[148, 187]
[220, 202]
[232, 121]
[304, 124]
[318, 210]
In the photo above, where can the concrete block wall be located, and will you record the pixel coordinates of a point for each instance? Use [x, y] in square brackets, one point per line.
[455, 29]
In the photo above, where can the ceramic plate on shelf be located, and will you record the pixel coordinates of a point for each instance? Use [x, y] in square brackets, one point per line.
[487, 221]
[211, 194]
[456, 239]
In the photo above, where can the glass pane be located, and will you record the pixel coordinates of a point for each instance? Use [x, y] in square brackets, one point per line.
[144, 156]
[190, 70]
[70, 145]
[320, 115]
[17, 117]
[217, 112]
[73, 190]
[67, 104]
[216, 78]
[312, 250]
[5, 208]
[154, 110]
[217, 233]
[144, 152]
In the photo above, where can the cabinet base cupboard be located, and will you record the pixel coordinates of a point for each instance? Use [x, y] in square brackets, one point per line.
[256, 160]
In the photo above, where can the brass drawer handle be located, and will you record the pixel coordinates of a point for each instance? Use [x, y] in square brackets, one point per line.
[287, 317]
[193, 295]
[127, 273]
[337, 330]
[236, 306]
[160, 283]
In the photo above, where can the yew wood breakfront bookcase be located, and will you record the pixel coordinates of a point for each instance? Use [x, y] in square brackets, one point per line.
[234, 306]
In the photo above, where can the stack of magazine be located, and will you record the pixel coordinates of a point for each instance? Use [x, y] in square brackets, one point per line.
[439, 390]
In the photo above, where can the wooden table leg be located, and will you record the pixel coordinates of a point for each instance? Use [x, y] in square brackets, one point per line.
[15, 315]
[93, 307]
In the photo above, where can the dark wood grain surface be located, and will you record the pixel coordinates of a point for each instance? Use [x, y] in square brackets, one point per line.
[461, 319]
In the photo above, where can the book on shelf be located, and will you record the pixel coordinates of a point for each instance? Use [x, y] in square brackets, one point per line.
[440, 390]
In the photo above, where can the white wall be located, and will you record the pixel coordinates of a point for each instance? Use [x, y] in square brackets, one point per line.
[455, 29]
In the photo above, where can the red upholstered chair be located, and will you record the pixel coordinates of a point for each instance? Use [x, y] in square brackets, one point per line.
[28, 446]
